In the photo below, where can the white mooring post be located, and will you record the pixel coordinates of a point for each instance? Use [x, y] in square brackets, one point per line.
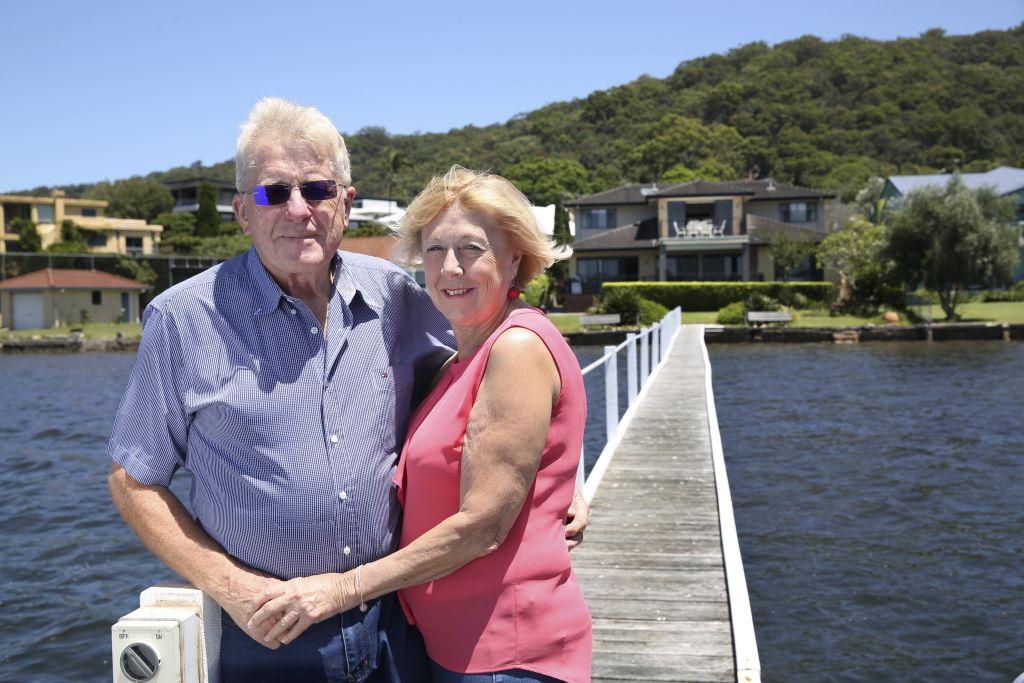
[631, 385]
[611, 393]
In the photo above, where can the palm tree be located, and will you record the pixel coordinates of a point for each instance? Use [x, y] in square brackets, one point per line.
[393, 160]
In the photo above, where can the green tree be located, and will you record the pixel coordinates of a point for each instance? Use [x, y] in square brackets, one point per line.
[135, 197]
[790, 248]
[948, 238]
[29, 238]
[546, 180]
[135, 269]
[856, 252]
[72, 239]
[393, 163]
[179, 223]
[207, 218]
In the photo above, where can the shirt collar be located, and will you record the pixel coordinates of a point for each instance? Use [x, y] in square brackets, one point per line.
[268, 294]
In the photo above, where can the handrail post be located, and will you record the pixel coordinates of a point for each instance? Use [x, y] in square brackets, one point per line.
[645, 355]
[655, 344]
[611, 393]
[631, 385]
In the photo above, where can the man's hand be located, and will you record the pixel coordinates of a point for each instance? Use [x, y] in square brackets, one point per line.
[242, 597]
[284, 610]
[167, 529]
[577, 518]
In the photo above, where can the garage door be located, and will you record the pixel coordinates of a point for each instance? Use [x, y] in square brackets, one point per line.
[28, 310]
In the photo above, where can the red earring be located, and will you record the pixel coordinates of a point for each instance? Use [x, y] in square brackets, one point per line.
[513, 293]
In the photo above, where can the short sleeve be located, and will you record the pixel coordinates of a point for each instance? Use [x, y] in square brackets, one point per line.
[151, 426]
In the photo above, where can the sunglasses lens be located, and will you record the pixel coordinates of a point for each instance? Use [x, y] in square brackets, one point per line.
[269, 195]
[318, 190]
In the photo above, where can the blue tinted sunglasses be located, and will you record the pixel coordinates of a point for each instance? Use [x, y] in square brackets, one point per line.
[278, 193]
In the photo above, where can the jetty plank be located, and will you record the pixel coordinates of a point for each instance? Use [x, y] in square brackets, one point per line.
[651, 566]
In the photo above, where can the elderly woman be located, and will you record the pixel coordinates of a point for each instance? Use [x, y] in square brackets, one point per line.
[489, 463]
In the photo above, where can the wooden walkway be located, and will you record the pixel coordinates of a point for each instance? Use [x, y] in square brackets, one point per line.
[652, 566]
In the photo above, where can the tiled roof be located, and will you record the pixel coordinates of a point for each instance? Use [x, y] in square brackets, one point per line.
[640, 235]
[1005, 179]
[635, 193]
[62, 278]
[371, 246]
[757, 190]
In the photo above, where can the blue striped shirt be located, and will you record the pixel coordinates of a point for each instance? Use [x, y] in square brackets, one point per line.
[290, 432]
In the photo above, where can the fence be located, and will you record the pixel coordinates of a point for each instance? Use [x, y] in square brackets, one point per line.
[645, 352]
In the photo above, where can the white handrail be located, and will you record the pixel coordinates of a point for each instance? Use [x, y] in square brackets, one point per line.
[748, 663]
[655, 343]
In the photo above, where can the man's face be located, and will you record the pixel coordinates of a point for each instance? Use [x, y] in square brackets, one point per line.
[295, 240]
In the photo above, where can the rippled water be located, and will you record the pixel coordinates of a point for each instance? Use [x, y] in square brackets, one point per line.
[878, 495]
[69, 567]
[877, 487]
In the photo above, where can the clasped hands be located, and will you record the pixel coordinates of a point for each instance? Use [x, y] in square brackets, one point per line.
[279, 613]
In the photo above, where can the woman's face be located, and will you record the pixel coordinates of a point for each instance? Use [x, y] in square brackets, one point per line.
[469, 266]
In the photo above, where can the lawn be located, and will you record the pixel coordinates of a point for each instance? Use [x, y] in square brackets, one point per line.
[90, 330]
[997, 311]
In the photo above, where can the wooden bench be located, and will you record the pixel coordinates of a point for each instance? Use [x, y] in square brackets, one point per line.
[759, 318]
[605, 319]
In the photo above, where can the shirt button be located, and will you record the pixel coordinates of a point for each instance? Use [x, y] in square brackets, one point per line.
[334, 438]
[343, 495]
[346, 550]
[293, 311]
[313, 330]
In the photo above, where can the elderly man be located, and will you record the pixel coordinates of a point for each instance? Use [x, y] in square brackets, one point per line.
[282, 381]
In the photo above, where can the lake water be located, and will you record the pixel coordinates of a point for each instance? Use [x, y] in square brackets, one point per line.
[877, 492]
[879, 499]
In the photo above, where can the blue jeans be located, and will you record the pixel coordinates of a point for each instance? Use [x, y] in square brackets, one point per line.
[443, 675]
[378, 646]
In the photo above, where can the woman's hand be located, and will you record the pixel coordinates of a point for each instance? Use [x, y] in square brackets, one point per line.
[579, 515]
[282, 612]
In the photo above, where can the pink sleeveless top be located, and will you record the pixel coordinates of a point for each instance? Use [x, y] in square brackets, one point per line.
[519, 606]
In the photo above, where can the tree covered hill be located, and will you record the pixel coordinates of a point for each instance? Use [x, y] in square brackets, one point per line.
[815, 113]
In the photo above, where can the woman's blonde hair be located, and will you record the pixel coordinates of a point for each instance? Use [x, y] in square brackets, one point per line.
[490, 195]
[277, 119]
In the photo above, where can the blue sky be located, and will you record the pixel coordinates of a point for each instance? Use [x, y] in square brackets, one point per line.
[107, 90]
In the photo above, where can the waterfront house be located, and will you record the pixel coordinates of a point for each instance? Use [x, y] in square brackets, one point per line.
[186, 196]
[691, 231]
[1006, 181]
[104, 234]
[53, 296]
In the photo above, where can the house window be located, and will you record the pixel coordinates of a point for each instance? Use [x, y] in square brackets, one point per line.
[593, 271]
[97, 298]
[133, 245]
[96, 239]
[45, 212]
[682, 267]
[597, 219]
[89, 212]
[721, 267]
[799, 212]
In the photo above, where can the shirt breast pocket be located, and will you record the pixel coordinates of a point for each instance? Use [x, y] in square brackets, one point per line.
[391, 388]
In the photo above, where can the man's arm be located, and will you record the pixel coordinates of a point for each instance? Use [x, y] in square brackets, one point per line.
[166, 528]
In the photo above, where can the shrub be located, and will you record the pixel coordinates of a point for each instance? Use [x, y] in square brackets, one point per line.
[650, 312]
[1015, 293]
[632, 308]
[731, 314]
[536, 290]
[760, 302]
[711, 296]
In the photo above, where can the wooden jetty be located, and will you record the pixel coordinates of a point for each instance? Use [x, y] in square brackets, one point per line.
[654, 563]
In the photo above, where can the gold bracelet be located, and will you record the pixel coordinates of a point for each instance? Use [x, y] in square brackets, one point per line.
[359, 589]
